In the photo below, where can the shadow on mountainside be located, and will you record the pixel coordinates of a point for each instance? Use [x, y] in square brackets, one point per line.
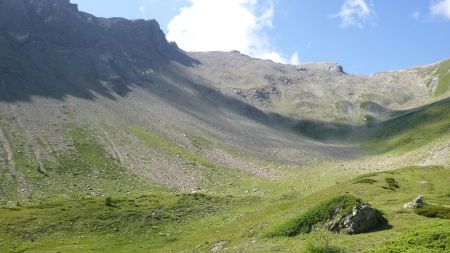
[407, 131]
[26, 73]
[207, 104]
[50, 49]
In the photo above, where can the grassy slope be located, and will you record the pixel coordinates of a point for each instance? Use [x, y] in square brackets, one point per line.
[404, 133]
[444, 79]
[163, 222]
[87, 169]
[430, 181]
[412, 130]
[433, 237]
[89, 224]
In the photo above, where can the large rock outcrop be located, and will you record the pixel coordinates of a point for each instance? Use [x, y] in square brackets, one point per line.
[341, 214]
[362, 218]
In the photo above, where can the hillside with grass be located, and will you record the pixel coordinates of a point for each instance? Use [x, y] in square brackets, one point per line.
[182, 222]
[113, 139]
[412, 129]
[443, 79]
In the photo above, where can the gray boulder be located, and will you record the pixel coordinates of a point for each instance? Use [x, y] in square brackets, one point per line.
[362, 218]
[336, 68]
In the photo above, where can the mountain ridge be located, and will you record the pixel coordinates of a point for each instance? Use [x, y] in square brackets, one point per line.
[59, 39]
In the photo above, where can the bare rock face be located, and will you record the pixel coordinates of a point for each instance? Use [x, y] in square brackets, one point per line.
[78, 52]
[362, 218]
[336, 68]
[416, 203]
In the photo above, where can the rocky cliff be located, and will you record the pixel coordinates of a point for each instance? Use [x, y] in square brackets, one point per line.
[49, 48]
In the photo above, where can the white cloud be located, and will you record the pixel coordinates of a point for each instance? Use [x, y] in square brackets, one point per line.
[273, 56]
[356, 13]
[295, 59]
[143, 11]
[441, 8]
[416, 15]
[225, 25]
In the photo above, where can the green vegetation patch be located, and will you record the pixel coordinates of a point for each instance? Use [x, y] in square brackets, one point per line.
[392, 184]
[429, 238]
[443, 86]
[89, 157]
[86, 169]
[51, 226]
[366, 176]
[323, 248]
[411, 130]
[323, 130]
[323, 244]
[109, 201]
[171, 222]
[444, 79]
[434, 211]
[365, 181]
[318, 214]
[199, 142]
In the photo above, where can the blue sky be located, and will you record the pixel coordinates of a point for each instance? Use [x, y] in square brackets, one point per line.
[365, 36]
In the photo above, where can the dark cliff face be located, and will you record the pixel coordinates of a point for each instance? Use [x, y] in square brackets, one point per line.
[49, 48]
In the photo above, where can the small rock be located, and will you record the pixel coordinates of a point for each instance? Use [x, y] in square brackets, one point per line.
[157, 215]
[11, 204]
[218, 246]
[416, 203]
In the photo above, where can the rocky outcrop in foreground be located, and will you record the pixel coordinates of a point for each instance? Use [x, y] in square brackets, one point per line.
[362, 218]
[341, 214]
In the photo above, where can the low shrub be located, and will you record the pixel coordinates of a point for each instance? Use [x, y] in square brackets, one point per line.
[392, 183]
[319, 248]
[109, 201]
[365, 181]
[434, 211]
[428, 238]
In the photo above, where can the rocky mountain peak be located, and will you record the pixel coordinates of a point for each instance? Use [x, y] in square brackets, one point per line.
[17, 13]
[53, 36]
[330, 67]
[336, 68]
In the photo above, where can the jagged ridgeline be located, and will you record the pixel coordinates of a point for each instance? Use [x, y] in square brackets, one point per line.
[50, 49]
[112, 135]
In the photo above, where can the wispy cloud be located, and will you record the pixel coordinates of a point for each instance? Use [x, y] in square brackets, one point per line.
[218, 25]
[441, 8]
[143, 11]
[416, 15]
[295, 60]
[356, 13]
